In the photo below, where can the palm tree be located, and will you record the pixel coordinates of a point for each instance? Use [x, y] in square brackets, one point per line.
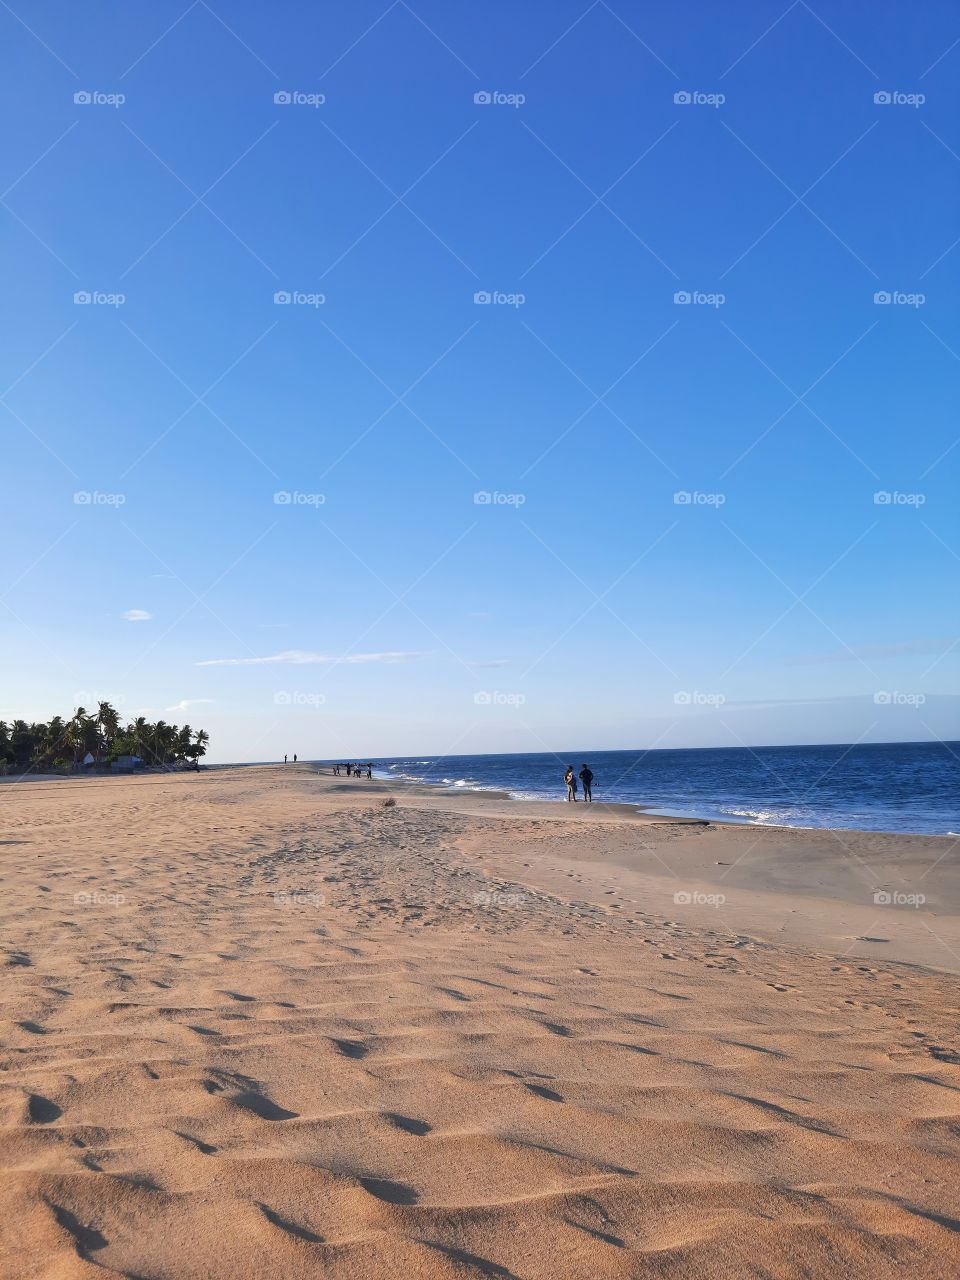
[85, 735]
[181, 747]
[22, 742]
[138, 732]
[26, 745]
[169, 738]
[162, 738]
[108, 724]
[55, 740]
[77, 732]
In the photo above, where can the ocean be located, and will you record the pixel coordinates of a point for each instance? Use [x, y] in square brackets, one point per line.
[905, 787]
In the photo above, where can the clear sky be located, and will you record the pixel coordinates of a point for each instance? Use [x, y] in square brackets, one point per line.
[583, 164]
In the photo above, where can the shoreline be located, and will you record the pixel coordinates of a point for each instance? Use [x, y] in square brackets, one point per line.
[645, 810]
[624, 807]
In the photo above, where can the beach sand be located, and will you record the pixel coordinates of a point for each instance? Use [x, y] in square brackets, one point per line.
[255, 1023]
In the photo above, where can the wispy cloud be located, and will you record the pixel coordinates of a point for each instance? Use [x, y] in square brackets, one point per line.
[845, 699]
[493, 662]
[186, 703]
[137, 615]
[762, 704]
[301, 658]
[858, 652]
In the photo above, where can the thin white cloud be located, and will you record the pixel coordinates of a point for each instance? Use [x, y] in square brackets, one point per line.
[859, 652]
[301, 658]
[186, 703]
[763, 704]
[494, 662]
[137, 615]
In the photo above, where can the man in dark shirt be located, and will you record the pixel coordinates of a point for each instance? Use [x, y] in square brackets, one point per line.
[586, 777]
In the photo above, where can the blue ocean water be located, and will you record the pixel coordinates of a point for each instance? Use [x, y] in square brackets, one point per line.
[907, 787]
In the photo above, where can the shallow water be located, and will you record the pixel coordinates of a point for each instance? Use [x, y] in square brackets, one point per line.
[909, 787]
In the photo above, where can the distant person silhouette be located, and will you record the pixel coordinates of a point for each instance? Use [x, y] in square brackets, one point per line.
[284, 759]
[586, 777]
[369, 770]
[294, 757]
[570, 778]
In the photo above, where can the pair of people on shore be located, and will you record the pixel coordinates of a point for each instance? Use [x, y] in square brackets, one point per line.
[353, 770]
[586, 778]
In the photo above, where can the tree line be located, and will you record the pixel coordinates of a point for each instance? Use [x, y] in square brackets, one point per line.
[60, 744]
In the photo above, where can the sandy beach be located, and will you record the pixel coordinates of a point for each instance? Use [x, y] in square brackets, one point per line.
[258, 1023]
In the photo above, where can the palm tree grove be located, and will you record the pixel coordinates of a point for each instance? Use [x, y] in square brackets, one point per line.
[61, 745]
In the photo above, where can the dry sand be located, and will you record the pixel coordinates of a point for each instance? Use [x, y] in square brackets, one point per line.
[255, 1024]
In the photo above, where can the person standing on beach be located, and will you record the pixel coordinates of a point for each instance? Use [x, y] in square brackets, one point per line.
[570, 778]
[284, 757]
[586, 777]
[369, 770]
[294, 757]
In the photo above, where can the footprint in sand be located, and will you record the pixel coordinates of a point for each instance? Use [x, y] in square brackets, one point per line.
[350, 1048]
[549, 1095]
[41, 1110]
[261, 1106]
[943, 1054]
[389, 1192]
[291, 1228]
[204, 1147]
[408, 1124]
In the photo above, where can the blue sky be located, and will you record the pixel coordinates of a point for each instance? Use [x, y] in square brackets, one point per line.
[585, 602]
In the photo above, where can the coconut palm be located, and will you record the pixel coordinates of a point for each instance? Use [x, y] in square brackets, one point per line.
[21, 740]
[55, 740]
[107, 722]
[137, 731]
[26, 745]
[161, 741]
[77, 731]
[182, 742]
[86, 736]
